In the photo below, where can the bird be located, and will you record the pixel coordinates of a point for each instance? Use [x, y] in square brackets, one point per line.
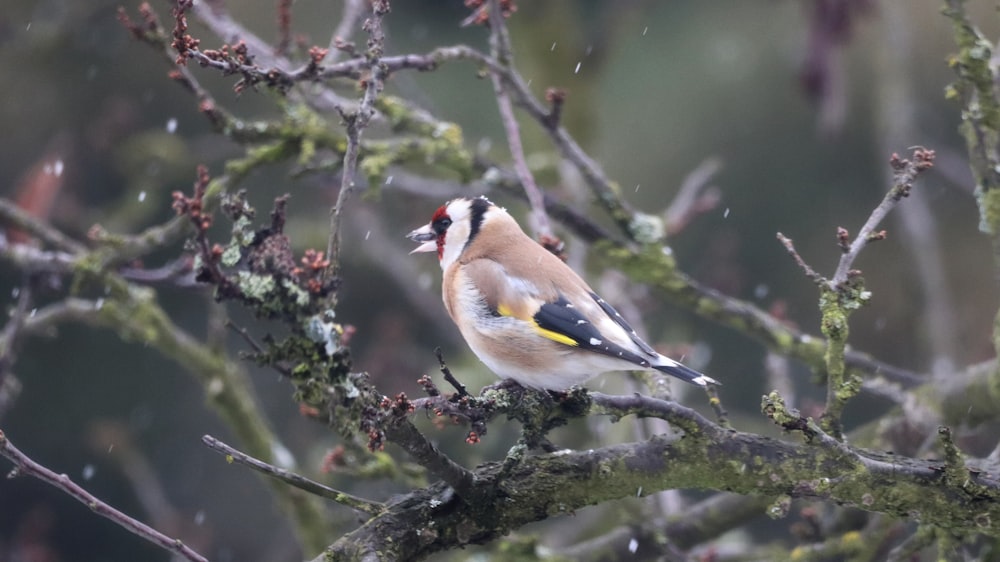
[525, 313]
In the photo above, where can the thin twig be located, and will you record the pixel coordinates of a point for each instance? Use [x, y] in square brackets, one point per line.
[687, 203]
[30, 259]
[447, 374]
[24, 465]
[501, 51]
[905, 173]
[356, 123]
[267, 62]
[810, 272]
[721, 415]
[15, 216]
[10, 343]
[352, 12]
[10, 337]
[643, 406]
[284, 370]
[924, 537]
[293, 479]
[65, 310]
[175, 273]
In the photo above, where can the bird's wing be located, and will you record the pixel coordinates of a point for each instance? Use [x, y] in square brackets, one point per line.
[549, 313]
[618, 319]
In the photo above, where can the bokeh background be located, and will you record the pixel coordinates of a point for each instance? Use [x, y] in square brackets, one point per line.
[799, 103]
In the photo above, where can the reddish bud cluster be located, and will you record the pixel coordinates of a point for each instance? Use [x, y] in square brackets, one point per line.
[925, 158]
[376, 440]
[317, 54]
[145, 31]
[311, 274]
[346, 46]
[284, 25]
[555, 95]
[472, 438]
[193, 207]
[429, 387]
[308, 411]
[182, 43]
[905, 171]
[898, 163]
[333, 459]
[402, 405]
[843, 238]
[237, 54]
[481, 14]
[314, 261]
[349, 331]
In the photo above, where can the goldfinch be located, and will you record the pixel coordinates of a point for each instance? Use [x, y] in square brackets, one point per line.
[527, 315]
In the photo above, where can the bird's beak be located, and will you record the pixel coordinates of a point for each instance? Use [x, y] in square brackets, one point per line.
[426, 236]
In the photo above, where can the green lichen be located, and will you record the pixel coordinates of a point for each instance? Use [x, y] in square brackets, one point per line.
[269, 153]
[647, 229]
[296, 294]
[231, 255]
[255, 286]
[773, 406]
[243, 232]
[989, 210]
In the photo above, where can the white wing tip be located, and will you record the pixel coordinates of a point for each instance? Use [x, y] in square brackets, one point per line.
[704, 380]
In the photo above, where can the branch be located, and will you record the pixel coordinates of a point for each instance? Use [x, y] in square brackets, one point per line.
[809, 272]
[403, 433]
[11, 338]
[356, 124]
[687, 203]
[14, 216]
[698, 524]
[24, 465]
[352, 12]
[905, 173]
[293, 479]
[501, 51]
[706, 457]
[133, 313]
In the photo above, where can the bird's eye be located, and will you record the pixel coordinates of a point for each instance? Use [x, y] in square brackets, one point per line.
[441, 225]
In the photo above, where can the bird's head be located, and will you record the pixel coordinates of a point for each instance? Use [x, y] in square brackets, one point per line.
[453, 226]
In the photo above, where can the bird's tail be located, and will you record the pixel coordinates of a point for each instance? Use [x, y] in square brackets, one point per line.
[686, 374]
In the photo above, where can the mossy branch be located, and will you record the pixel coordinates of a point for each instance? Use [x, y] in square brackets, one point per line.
[707, 457]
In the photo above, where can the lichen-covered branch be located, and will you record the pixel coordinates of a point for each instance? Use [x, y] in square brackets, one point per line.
[133, 312]
[706, 457]
[976, 90]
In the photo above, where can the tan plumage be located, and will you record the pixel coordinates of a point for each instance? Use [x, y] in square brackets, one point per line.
[526, 314]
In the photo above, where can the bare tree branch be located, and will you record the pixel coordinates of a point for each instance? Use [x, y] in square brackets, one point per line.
[293, 479]
[24, 465]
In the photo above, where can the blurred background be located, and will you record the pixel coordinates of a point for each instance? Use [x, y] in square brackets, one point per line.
[795, 105]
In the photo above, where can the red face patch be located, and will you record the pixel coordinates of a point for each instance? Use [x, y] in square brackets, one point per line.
[440, 213]
[440, 223]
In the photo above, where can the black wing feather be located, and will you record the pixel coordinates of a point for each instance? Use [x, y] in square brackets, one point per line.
[620, 320]
[563, 318]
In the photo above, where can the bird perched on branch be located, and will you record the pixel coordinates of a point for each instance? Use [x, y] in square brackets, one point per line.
[527, 315]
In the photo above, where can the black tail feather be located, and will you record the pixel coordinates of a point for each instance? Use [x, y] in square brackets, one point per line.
[686, 374]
